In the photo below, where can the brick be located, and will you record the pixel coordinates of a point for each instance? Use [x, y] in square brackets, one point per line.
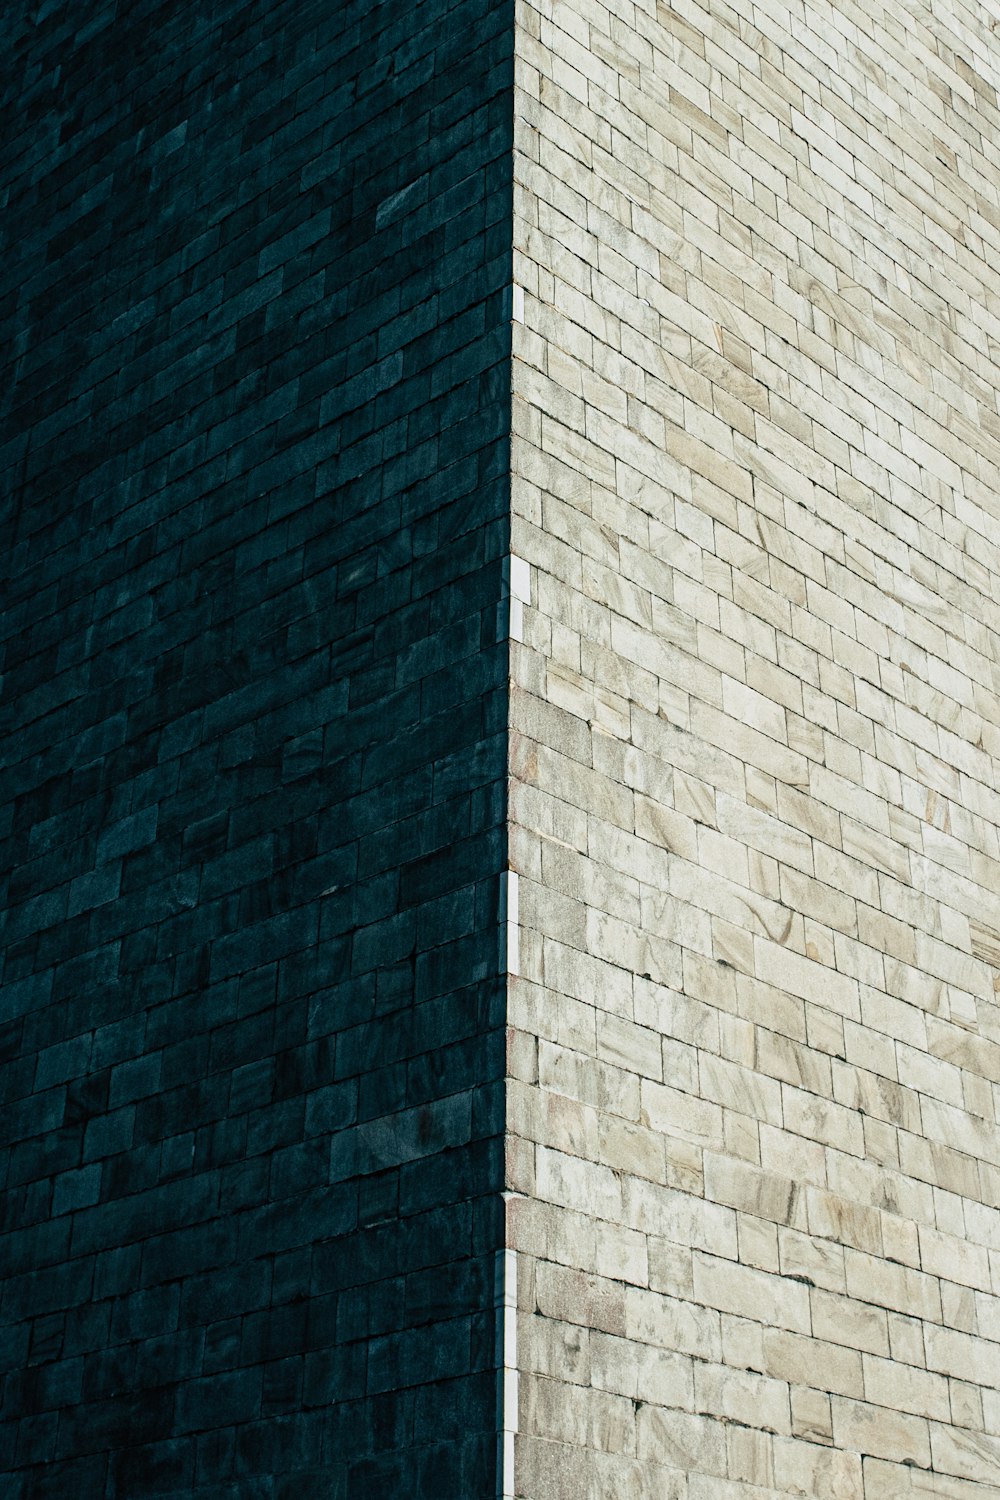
[747, 541]
[264, 508]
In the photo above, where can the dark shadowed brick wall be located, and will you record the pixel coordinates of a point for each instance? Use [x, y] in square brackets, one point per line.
[254, 476]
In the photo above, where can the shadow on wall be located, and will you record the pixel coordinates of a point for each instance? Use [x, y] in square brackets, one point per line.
[255, 452]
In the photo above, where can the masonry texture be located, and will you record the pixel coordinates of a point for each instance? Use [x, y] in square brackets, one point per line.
[345, 337]
[753, 1107]
[255, 475]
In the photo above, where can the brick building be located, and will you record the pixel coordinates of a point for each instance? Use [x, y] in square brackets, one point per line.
[501, 663]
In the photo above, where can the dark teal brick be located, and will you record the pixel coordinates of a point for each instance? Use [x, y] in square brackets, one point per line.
[255, 427]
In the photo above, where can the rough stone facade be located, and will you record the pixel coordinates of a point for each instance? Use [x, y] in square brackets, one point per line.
[255, 448]
[346, 338]
[755, 721]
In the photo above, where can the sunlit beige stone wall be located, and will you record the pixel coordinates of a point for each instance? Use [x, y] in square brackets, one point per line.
[754, 1151]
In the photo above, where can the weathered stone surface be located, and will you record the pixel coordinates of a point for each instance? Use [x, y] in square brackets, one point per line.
[755, 459]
